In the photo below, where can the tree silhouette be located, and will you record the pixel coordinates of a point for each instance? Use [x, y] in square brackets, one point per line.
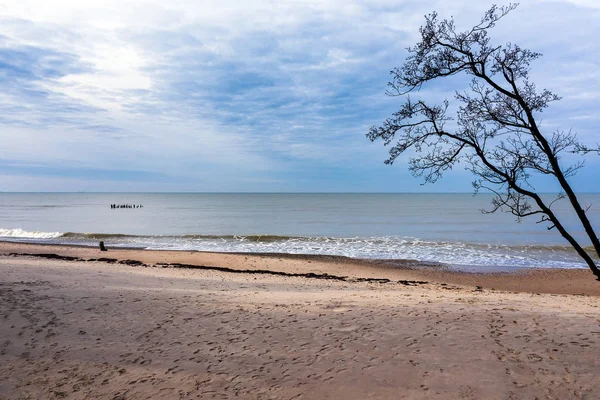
[495, 132]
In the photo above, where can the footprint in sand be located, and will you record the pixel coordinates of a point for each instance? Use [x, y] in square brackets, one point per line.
[350, 328]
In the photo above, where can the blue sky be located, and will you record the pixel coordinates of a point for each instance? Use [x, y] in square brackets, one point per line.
[182, 95]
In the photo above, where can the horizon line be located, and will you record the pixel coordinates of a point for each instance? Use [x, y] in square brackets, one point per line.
[190, 192]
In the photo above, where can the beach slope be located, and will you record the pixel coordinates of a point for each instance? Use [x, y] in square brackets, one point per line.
[95, 329]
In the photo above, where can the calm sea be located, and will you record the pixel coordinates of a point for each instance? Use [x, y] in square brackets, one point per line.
[445, 228]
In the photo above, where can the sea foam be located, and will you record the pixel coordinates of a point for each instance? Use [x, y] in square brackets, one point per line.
[20, 233]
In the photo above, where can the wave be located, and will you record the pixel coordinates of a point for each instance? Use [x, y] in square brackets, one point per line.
[103, 236]
[20, 233]
[374, 247]
[250, 238]
[383, 240]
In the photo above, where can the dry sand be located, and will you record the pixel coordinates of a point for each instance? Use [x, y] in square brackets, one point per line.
[88, 329]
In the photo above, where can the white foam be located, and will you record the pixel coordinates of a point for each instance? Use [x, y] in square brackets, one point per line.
[20, 233]
[454, 254]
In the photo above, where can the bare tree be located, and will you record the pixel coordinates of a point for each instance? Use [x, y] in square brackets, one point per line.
[582, 149]
[495, 132]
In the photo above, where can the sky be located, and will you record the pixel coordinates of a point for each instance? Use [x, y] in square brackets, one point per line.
[249, 96]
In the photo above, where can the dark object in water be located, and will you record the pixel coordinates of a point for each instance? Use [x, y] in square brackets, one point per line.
[126, 206]
[102, 248]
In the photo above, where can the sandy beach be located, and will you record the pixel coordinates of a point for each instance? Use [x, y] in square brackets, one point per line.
[154, 324]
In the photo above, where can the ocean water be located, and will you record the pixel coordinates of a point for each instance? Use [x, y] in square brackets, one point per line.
[448, 229]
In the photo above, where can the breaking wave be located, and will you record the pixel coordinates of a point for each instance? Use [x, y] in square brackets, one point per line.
[20, 233]
[457, 254]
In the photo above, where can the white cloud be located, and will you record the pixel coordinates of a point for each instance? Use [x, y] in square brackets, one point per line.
[254, 86]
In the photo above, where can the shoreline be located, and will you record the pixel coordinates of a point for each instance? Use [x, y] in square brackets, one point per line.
[460, 254]
[552, 281]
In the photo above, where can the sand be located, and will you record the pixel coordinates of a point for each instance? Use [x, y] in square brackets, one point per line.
[88, 329]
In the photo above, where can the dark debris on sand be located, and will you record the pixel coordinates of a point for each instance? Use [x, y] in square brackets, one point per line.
[309, 275]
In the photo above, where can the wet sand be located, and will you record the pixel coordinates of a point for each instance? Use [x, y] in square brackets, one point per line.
[96, 329]
[554, 281]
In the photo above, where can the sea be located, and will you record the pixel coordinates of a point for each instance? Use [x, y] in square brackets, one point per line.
[446, 230]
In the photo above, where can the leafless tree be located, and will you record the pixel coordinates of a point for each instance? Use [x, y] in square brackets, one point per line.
[582, 149]
[496, 133]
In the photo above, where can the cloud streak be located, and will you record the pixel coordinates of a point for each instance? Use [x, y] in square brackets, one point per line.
[215, 96]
